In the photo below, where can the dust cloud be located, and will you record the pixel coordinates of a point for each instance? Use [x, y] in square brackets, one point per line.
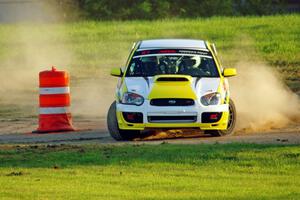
[92, 98]
[33, 45]
[28, 54]
[262, 100]
[30, 44]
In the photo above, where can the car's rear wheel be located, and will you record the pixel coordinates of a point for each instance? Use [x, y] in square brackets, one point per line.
[231, 123]
[112, 124]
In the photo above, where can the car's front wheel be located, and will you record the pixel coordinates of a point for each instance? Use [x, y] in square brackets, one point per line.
[230, 125]
[112, 124]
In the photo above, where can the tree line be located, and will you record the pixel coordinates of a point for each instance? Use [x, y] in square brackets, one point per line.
[159, 9]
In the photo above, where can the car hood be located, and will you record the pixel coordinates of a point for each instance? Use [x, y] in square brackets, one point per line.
[152, 87]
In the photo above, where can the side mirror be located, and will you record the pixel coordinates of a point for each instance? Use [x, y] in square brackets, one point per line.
[229, 72]
[116, 72]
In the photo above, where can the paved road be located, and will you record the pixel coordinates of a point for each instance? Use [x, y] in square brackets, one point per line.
[282, 136]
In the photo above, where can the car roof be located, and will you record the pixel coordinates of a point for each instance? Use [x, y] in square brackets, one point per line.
[172, 43]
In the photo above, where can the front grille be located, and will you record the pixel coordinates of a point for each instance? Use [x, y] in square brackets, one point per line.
[172, 102]
[172, 119]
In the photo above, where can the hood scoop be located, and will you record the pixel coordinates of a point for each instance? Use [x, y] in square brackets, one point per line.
[172, 86]
[172, 78]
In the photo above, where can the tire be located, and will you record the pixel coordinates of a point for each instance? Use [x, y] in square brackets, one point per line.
[231, 123]
[112, 124]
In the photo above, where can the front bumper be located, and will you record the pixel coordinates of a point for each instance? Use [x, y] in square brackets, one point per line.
[160, 112]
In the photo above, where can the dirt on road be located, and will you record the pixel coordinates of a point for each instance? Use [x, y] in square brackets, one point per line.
[91, 131]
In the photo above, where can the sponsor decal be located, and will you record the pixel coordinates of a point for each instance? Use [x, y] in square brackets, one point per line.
[170, 51]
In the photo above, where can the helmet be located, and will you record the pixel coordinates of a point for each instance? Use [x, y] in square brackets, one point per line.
[197, 61]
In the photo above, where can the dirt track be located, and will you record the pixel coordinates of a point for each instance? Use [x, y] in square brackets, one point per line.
[97, 133]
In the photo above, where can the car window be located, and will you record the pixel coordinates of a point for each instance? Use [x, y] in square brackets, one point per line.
[193, 65]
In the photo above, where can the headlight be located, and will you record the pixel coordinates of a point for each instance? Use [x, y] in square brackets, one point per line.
[132, 99]
[211, 99]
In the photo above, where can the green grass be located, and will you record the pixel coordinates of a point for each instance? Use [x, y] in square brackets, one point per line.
[232, 171]
[89, 49]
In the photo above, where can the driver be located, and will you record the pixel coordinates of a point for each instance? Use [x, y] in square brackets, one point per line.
[204, 67]
[189, 65]
[166, 66]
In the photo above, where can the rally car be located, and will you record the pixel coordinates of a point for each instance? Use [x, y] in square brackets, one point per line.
[172, 84]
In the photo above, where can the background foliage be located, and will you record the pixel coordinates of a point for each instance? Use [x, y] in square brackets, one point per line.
[154, 9]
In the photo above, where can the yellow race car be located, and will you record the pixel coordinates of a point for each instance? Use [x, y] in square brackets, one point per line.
[172, 83]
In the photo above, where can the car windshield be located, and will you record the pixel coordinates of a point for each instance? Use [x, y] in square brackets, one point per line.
[193, 65]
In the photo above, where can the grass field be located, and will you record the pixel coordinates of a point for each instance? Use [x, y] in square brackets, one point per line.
[89, 49]
[232, 171]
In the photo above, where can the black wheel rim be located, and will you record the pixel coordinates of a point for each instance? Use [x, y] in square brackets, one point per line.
[231, 116]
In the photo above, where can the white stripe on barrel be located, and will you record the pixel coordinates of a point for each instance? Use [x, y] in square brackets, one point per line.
[55, 90]
[54, 110]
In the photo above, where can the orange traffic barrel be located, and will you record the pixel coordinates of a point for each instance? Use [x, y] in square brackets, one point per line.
[54, 111]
